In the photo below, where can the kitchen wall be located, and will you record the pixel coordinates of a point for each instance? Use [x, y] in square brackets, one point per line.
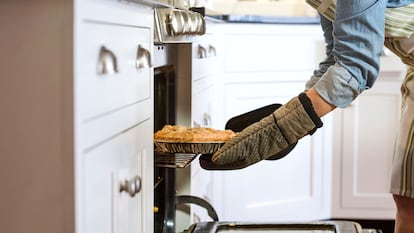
[262, 7]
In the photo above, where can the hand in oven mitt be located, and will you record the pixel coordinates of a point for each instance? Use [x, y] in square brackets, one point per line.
[271, 136]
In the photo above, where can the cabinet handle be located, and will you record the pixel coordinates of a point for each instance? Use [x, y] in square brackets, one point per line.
[196, 124]
[143, 58]
[386, 52]
[132, 187]
[202, 52]
[207, 119]
[212, 50]
[107, 63]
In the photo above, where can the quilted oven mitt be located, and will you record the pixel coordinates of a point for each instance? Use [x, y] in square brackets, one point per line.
[268, 137]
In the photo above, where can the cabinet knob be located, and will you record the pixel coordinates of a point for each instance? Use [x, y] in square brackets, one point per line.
[132, 187]
[143, 58]
[107, 63]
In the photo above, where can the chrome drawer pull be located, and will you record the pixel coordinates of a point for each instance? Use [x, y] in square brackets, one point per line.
[107, 63]
[132, 187]
[143, 58]
[212, 50]
[202, 52]
[207, 119]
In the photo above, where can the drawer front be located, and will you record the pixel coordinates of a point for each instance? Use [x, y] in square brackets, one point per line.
[107, 205]
[107, 76]
[205, 60]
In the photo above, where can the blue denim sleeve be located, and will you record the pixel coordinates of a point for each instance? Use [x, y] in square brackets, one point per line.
[327, 33]
[357, 42]
[329, 60]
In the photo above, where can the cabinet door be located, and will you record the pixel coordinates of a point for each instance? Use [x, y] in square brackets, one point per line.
[369, 127]
[125, 160]
[284, 190]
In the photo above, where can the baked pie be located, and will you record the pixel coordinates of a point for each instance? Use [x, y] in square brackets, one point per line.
[177, 133]
[181, 139]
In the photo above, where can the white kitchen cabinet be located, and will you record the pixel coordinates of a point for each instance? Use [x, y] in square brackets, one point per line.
[365, 134]
[120, 162]
[82, 104]
[114, 119]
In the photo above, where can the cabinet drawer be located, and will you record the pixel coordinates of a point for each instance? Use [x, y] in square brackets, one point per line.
[205, 58]
[106, 168]
[107, 76]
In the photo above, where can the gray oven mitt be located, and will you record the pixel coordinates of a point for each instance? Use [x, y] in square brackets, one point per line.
[272, 135]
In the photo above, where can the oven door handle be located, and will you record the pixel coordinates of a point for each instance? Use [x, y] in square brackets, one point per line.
[188, 199]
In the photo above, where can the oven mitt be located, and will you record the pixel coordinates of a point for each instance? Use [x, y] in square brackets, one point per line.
[271, 135]
[240, 122]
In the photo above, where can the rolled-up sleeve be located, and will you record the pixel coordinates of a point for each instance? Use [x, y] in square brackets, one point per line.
[358, 38]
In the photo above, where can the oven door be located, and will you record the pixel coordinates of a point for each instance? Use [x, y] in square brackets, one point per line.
[314, 227]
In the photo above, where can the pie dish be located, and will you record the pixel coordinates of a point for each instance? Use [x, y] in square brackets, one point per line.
[181, 139]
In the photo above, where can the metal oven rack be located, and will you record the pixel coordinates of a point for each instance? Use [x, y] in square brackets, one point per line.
[173, 160]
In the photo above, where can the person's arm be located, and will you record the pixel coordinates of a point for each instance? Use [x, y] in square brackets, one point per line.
[358, 37]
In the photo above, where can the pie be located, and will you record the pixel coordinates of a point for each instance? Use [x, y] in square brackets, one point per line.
[177, 133]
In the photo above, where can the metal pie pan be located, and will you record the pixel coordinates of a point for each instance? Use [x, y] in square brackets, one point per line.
[189, 147]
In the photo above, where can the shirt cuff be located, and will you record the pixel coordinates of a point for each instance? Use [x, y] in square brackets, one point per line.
[338, 87]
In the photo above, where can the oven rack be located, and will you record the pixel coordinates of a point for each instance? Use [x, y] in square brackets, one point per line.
[173, 160]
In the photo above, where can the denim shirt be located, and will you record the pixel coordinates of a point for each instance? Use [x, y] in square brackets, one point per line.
[354, 43]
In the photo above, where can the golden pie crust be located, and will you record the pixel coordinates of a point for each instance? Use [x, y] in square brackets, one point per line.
[177, 133]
